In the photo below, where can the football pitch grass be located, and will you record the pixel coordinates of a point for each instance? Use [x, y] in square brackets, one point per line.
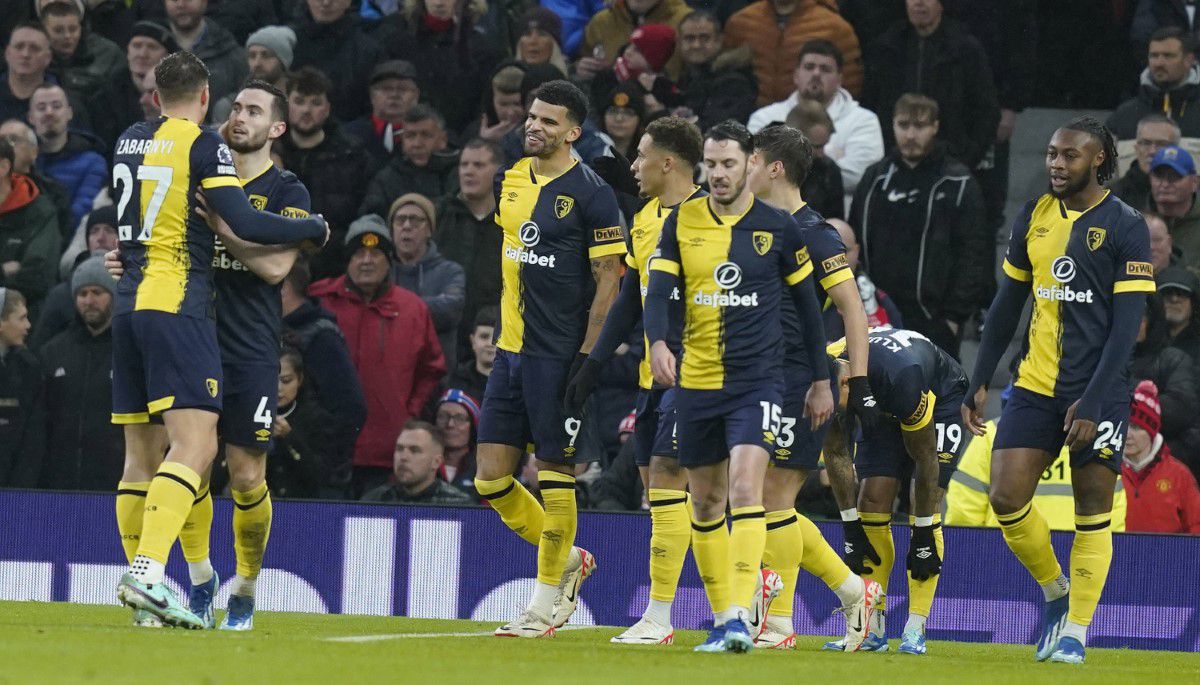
[58, 642]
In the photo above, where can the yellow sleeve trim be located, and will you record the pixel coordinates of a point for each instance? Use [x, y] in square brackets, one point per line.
[161, 405]
[1017, 274]
[617, 248]
[221, 182]
[127, 419]
[1138, 286]
[923, 415]
[840, 276]
[629, 261]
[665, 265]
[799, 274]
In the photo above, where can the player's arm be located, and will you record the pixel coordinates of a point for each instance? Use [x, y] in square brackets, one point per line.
[622, 319]
[665, 272]
[269, 262]
[260, 227]
[923, 560]
[797, 272]
[1001, 321]
[606, 248]
[833, 271]
[839, 466]
[606, 271]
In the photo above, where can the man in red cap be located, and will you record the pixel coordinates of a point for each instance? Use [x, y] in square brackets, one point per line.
[1162, 493]
[643, 62]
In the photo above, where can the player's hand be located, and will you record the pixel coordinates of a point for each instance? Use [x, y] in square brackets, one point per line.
[863, 403]
[495, 133]
[972, 412]
[585, 373]
[662, 364]
[923, 559]
[112, 264]
[311, 247]
[282, 427]
[1081, 432]
[858, 547]
[818, 403]
[11, 268]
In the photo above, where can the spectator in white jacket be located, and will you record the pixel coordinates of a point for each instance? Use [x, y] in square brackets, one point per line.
[857, 140]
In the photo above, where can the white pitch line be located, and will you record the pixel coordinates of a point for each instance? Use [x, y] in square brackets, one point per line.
[411, 636]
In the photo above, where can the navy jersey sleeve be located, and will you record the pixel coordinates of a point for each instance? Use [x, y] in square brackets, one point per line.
[828, 254]
[602, 221]
[1016, 261]
[797, 264]
[666, 257]
[908, 399]
[295, 200]
[212, 162]
[1134, 271]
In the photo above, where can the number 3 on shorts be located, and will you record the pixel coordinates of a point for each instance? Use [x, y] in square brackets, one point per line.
[262, 415]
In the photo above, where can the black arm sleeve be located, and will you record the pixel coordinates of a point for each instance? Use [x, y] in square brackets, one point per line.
[658, 297]
[998, 328]
[259, 227]
[622, 317]
[1128, 309]
[804, 294]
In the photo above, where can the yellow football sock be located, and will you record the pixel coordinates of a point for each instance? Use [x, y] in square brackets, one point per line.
[782, 554]
[819, 558]
[746, 543]
[710, 547]
[131, 505]
[518, 509]
[670, 536]
[1091, 555]
[197, 528]
[879, 531]
[1028, 536]
[168, 502]
[558, 527]
[251, 528]
[920, 592]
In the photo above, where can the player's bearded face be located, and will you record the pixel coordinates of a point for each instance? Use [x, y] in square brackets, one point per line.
[246, 137]
[1070, 162]
[727, 167]
[547, 128]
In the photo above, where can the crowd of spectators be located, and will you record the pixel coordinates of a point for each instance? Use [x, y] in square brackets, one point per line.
[400, 114]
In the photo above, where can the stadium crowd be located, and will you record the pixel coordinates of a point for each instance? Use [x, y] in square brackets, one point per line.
[400, 116]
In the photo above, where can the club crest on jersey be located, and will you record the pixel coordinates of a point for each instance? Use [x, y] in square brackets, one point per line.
[1095, 238]
[258, 202]
[762, 242]
[563, 206]
[212, 386]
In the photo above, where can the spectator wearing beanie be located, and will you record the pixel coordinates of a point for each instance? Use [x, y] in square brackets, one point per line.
[420, 268]
[540, 39]
[269, 55]
[22, 417]
[1174, 376]
[641, 64]
[118, 104]
[84, 450]
[392, 342]
[612, 28]
[457, 415]
[1162, 492]
[1179, 289]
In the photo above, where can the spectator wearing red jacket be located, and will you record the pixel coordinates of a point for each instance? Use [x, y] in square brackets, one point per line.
[392, 343]
[1162, 493]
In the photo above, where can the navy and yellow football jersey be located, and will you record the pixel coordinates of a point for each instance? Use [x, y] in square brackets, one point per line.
[249, 313]
[1075, 263]
[830, 267]
[166, 248]
[909, 375]
[552, 228]
[733, 270]
[643, 241]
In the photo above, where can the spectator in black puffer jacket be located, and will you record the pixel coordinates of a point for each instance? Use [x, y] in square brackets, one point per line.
[331, 376]
[84, 450]
[303, 462]
[22, 414]
[426, 165]
[1173, 372]
[1170, 85]
[716, 84]
[332, 39]
[335, 169]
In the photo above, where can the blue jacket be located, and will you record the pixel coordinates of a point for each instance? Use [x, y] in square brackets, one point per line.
[575, 15]
[79, 168]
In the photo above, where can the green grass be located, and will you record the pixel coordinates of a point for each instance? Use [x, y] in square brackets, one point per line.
[50, 643]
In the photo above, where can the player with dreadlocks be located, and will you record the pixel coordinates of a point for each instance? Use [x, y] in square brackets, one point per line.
[1084, 255]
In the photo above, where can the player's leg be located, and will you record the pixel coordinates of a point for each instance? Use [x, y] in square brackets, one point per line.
[1091, 554]
[252, 512]
[709, 487]
[876, 500]
[782, 553]
[194, 540]
[503, 436]
[145, 445]
[921, 592]
[748, 534]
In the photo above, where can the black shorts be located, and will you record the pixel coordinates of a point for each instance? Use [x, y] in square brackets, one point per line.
[1034, 421]
[798, 446]
[710, 423]
[523, 404]
[882, 453]
[163, 361]
[251, 396]
[654, 427]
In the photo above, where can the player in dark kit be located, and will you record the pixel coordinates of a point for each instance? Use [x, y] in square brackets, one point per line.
[558, 218]
[249, 324]
[919, 388]
[731, 256]
[1084, 255]
[166, 359]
